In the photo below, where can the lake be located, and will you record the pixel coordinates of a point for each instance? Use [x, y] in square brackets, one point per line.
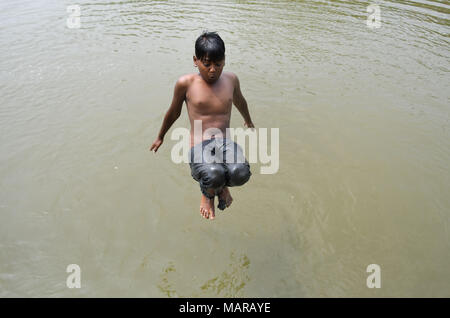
[364, 150]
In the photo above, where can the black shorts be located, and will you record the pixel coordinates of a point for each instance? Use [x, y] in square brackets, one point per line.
[218, 162]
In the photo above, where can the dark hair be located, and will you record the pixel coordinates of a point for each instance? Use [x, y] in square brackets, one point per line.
[210, 45]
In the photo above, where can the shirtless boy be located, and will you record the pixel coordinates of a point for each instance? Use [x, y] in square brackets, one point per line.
[209, 96]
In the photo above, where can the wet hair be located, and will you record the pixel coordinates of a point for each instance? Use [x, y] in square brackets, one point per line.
[209, 45]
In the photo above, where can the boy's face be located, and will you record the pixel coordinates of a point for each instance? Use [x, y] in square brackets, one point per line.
[209, 70]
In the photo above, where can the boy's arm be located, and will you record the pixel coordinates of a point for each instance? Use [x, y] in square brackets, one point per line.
[173, 112]
[240, 103]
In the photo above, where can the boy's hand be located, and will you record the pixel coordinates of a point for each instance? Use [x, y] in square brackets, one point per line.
[156, 144]
[249, 125]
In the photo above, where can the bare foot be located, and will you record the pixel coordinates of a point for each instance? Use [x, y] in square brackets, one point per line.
[207, 208]
[225, 199]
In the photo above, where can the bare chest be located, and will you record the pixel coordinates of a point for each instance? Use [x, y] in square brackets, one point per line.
[204, 99]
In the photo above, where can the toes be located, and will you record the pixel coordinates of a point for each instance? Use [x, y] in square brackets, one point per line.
[207, 212]
[204, 213]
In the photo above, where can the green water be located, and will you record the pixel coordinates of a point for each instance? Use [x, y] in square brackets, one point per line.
[364, 177]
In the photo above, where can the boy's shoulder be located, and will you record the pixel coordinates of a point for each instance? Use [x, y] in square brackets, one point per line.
[230, 74]
[186, 79]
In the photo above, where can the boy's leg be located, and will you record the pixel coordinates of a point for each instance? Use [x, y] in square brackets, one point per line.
[211, 178]
[237, 171]
[207, 168]
[237, 174]
[207, 205]
[225, 198]
[236, 165]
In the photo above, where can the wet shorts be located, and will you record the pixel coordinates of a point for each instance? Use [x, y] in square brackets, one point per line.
[218, 162]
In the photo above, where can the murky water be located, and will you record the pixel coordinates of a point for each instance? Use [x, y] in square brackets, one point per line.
[364, 150]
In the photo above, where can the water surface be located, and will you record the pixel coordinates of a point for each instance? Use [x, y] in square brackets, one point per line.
[364, 150]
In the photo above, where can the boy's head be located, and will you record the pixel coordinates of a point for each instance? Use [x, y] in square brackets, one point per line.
[209, 56]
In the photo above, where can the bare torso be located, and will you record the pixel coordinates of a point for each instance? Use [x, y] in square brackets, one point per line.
[210, 103]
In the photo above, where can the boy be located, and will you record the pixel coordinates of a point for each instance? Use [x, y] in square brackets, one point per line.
[209, 96]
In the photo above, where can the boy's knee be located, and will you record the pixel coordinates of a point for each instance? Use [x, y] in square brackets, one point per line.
[214, 176]
[238, 174]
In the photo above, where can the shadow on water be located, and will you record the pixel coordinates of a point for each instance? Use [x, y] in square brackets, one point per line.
[230, 283]
[365, 136]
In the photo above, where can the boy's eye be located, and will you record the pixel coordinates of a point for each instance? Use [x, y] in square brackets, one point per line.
[208, 64]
